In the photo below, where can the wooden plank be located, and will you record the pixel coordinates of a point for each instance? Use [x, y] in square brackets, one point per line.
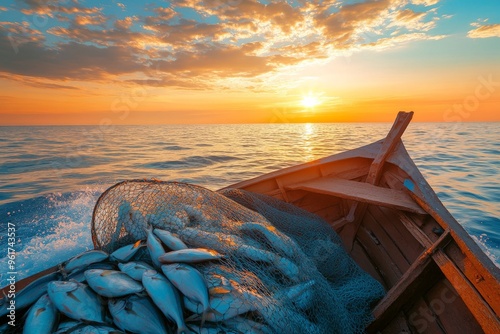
[487, 269]
[363, 260]
[404, 240]
[382, 260]
[423, 320]
[398, 325]
[410, 283]
[329, 214]
[352, 173]
[485, 316]
[486, 286]
[482, 311]
[279, 182]
[392, 249]
[450, 310]
[313, 201]
[417, 233]
[390, 142]
[392, 139]
[471, 289]
[362, 192]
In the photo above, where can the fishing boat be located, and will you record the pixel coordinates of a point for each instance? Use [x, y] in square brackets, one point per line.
[393, 225]
[437, 279]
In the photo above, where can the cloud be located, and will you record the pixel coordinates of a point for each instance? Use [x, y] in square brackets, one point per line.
[197, 44]
[412, 20]
[391, 42]
[484, 31]
[70, 61]
[425, 2]
[34, 82]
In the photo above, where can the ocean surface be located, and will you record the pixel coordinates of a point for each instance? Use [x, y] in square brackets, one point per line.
[51, 177]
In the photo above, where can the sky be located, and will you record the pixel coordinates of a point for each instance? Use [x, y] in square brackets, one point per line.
[248, 61]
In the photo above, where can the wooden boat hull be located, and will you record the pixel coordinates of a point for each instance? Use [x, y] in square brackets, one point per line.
[437, 278]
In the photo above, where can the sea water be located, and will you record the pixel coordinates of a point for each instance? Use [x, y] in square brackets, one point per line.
[51, 177]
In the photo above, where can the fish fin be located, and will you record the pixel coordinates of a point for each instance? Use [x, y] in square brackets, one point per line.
[218, 290]
[72, 296]
[67, 309]
[40, 310]
[130, 310]
[137, 243]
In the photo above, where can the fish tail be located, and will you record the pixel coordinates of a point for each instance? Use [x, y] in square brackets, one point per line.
[183, 330]
[203, 318]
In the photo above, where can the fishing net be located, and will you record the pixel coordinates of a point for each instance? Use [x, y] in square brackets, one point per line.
[286, 268]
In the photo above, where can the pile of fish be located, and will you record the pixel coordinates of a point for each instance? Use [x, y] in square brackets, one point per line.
[160, 285]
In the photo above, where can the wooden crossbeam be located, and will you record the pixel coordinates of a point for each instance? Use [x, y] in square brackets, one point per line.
[361, 192]
[411, 281]
[358, 209]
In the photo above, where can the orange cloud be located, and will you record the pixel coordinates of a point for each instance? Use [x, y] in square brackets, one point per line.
[484, 31]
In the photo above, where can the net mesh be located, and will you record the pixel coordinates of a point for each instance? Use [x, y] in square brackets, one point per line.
[286, 268]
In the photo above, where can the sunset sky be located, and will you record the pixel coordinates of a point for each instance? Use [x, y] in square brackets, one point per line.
[245, 61]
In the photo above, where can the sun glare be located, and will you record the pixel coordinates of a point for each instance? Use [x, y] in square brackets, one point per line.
[310, 101]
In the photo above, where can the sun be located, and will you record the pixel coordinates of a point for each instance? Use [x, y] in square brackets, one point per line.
[310, 101]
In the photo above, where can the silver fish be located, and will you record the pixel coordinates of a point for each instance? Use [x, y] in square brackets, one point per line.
[135, 269]
[83, 328]
[84, 259]
[166, 297]
[217, 241]
[65, 327]
[170, 240]
[278, 241]
[31, 293]
[137, 315]
[168, 219]
[154, 247]
[244, 325]
[220, 284]
[75, 327]
[285, 266]
[112, 283]
[191, 255]
[223, 307]
[195, 214]
[133, 221]
[190, 283]
[76, 300]
[211, 330]
[42, 317]
[125, 253]
[301, 295]
[79, 274]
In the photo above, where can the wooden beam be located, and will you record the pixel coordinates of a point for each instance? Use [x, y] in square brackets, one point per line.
[478, 306]
[358, 209]
[405, 289]
[361, 192]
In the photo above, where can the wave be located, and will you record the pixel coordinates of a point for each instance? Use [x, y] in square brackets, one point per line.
[196, 161]
[49, 229]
